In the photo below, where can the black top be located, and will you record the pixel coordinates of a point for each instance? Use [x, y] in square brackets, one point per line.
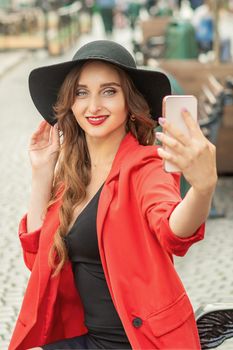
[101, 319]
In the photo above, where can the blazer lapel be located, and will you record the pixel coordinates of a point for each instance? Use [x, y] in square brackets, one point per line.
[107, 195]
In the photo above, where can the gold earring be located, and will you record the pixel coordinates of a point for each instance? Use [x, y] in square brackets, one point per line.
[132, 118]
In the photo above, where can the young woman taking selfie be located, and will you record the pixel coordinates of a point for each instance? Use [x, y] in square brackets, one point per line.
[104, 218]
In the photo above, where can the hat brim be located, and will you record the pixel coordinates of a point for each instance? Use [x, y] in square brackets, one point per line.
[45, 83]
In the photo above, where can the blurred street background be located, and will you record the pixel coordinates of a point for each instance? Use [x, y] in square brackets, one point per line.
[192, 41]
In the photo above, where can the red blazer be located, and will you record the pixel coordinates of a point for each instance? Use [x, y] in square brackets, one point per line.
[136, 246]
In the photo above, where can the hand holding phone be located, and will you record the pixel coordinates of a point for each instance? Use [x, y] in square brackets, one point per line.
[172, 111]
[185, 147]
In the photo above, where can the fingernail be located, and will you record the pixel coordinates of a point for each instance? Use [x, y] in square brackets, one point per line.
[158, 135]
[184, 110]
[158, 150]
[162, 121]
[56, 126]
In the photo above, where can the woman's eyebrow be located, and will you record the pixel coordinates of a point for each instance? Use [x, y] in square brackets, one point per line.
[111, 83]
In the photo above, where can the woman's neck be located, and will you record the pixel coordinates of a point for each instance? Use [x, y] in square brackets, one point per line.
[102, 151]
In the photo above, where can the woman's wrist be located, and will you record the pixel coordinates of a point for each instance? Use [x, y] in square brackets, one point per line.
[41, 185]
[42, 174]
[206, 190]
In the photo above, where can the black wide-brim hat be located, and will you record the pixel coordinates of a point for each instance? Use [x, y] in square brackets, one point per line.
[45, 82]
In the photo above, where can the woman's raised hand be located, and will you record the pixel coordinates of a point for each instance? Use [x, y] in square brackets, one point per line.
[194, 155]
[44, 147]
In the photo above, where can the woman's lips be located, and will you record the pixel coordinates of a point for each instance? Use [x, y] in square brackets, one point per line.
[97, 120]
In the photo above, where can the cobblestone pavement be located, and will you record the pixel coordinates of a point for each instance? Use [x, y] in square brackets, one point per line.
[206, 270]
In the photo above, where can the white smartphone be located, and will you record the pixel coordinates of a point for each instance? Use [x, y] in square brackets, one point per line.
[172, 107]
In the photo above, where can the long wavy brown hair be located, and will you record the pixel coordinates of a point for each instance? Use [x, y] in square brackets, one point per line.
[73, 170]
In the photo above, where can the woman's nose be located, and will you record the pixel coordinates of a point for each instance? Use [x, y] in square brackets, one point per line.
[94, 105]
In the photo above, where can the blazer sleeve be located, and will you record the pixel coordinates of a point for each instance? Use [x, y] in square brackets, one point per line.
[29, 242]
[159, 195]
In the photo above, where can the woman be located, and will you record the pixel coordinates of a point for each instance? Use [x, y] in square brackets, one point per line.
[105, 279]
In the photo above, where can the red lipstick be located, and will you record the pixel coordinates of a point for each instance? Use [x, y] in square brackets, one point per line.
[97, 120]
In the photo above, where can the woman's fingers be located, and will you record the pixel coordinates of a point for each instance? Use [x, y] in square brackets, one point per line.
[40, 129]
[191, 123]
[175, 132]
[175, 159]
[170, 142]
[193, 154]
[46, 132]
[44, 135]
[55, 138]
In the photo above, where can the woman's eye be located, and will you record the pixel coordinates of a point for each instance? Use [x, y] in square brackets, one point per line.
[80, 93]
[109, 92]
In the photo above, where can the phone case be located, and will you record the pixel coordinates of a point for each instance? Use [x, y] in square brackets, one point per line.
[172, 107]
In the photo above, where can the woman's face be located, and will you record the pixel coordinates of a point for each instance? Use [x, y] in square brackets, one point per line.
[99, 106]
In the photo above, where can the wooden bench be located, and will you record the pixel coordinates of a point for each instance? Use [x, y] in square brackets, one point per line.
[211, 107]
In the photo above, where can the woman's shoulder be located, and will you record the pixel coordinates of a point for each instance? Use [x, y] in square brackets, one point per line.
[145, 155]
[146, 165]
[131, 153]
[142, 161]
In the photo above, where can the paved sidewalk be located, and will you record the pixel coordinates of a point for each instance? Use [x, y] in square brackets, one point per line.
[10, 59]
